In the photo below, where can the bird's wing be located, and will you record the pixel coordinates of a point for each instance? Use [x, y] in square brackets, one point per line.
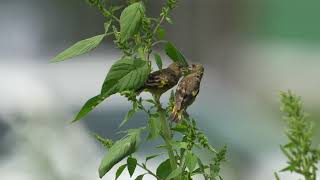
[181, 93]
[193, 87]
[158, 79]
[187, 91]
[154, 79]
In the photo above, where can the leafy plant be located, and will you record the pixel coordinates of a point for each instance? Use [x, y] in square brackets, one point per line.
[136, 35]
[302, 156]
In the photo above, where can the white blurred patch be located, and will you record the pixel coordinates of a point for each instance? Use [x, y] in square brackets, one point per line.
[22, 91]
[267, 164]
[43, 144]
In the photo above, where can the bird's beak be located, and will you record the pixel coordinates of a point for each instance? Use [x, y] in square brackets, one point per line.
[185, 69]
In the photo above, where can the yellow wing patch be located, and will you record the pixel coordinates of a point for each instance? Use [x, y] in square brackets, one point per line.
[195, 93]
[163, 82]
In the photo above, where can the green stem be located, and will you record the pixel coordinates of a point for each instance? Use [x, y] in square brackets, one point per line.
[205, 176]
[107, 13]
[158, 42]
[158, 24]
[141, 50]
[149, 172]
[183, 164]
[166, 133]
[142, 54]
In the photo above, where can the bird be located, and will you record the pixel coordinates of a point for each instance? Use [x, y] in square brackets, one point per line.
[160, 81]
[186, 92]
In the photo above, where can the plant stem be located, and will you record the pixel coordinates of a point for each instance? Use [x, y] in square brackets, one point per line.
[107, 13]
[165, 129]
[158, 42]
[142, 54]
[166, 133]
[114, 17]
[167, 138]
[158, 24]
[149, 172]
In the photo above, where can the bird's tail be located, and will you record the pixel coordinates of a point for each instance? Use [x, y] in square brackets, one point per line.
[176, 115]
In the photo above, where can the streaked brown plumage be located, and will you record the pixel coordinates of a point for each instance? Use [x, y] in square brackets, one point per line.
[161, 81]
[187, 91]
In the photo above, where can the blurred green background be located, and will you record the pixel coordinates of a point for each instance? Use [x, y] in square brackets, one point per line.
[251, 51]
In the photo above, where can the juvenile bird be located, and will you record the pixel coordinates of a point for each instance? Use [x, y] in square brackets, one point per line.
[161, 81]
[187, 92]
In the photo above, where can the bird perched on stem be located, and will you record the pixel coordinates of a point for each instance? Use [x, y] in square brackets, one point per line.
[187, 91]
[162, 80]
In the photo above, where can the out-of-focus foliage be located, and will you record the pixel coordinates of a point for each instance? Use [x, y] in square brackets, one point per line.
[302, 156]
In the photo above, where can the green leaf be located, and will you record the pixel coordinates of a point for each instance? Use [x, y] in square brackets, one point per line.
[161, 146]
[174, 173]
[121, 149]
[287, 153]
[116, 8]
[164, 169]
[179, 144]
[151, 101]
[161, 33]
[276, 176]
[79, 48]
[158, 59]
[191, 160]
[201, 166]
[125, 74]
[107, 143]
[132, 164]
[182, 128]
[88, 106]
[140, 177]
[154, 125]
[120, 170]
[288, 168]
[130, 20]
[127, 117]
[153, 156]
[199, 170]
[215, 165]
[175, 54]
[107, 26]
[169, 20]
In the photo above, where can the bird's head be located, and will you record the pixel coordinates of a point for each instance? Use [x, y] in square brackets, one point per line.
[197, 68]
[177, 68]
